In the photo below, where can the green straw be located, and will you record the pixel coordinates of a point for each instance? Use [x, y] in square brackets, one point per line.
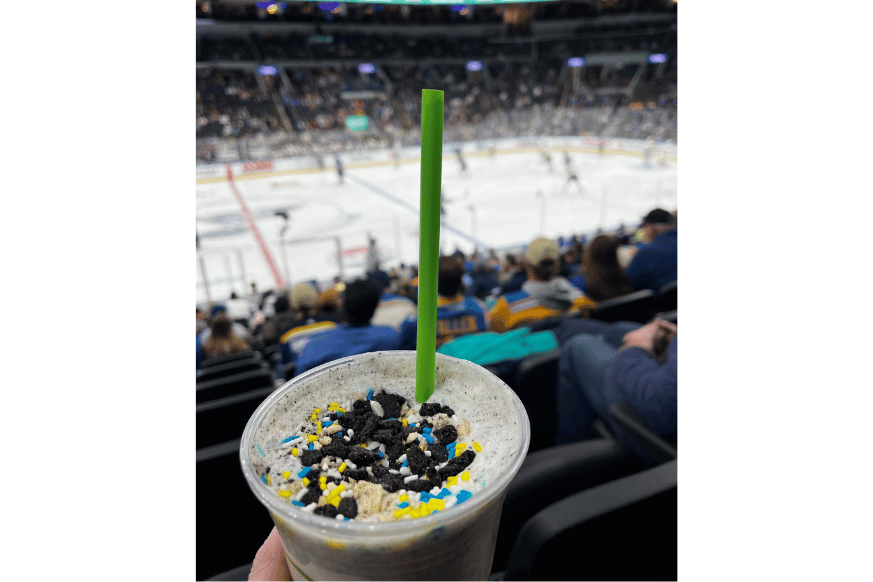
[428, 249]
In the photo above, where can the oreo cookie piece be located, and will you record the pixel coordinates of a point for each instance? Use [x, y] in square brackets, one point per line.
[419, 485]
[326, 510]
[336, 448]
[447, 411]
[365, 432]
[418, 461]
[394, 425]
[438, 453]
[378, 472]
[311, 496]
[391, 403]
[356, 474]
[457, 464]
[429, 409]
[446, 434]
[391, 482]
[348, 507]
[361, 406]
[333, 416]
[312, 457]
[433, 475]
[386, 437]
[347, 420]
[361, 457]
[393, 451]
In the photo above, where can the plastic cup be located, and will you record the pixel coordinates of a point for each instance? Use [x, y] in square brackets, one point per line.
[453, 544]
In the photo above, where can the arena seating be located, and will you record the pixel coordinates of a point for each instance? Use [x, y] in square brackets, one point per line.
[234, 384]
[223, 419]
[638, 307]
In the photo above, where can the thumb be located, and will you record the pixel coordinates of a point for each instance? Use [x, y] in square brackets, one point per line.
[270, 561]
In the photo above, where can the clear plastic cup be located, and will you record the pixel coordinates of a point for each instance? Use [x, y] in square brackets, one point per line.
[454, 544]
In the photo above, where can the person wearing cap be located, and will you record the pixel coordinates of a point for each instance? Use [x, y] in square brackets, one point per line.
[357, 336]
[307, 324]
[655, 263]
[544, 294]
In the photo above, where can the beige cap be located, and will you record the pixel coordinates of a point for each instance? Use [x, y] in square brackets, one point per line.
[303, 295]
[541, 249]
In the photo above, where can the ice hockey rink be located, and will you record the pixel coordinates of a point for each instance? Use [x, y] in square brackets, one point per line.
[502, 201]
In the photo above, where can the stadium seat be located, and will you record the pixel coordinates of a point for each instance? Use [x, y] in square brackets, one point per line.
[240, 573]
[235, 384]
[231, 523]
[622, 530]
[219, 360]
[667, 298]
[670, 316]
[638, 307]
[229, 369]
[555, 473]
[629, 420]
[224, 419]
[535, 383]
[289, 370]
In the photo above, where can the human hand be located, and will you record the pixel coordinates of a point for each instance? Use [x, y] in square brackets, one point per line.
[270, 563]
[652, 337]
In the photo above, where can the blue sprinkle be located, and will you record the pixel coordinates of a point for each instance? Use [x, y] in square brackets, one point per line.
[298, 503]
[370, 394]
[264, 478]
[290, 438]
[326, 423]
[339, 413]
[259, 450]
[304, 472]
[412, 424]
[444, 493]
[426, 429]
[403, 505]
[451, 445]
[464, 496]
[381, 455]
[311, 446]
[428, 438]
[347, 518]
[425, 496]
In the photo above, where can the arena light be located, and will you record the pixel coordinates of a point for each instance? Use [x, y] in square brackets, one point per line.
[576, 62]
[366, 68]
[658, 58]
[474, 65]
[268, 70]
[357, 122]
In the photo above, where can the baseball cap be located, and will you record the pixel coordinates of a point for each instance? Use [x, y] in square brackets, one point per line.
[541, 249]
[656, 216]
[303, 295]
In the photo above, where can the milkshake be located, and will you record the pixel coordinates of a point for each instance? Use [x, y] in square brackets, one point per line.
[421, 509]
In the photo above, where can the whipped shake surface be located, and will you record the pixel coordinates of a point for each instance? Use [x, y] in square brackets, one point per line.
[419, 484]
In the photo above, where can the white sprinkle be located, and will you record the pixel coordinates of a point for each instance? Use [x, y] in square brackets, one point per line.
[455, 418]
[350, 432]
[300, 494]
[435, 491]
[401, 458]
[334, 473]
[405, 470]
[401, 492]
[382, 448]
[310, 507]
[395, 471]
[377, 408]
[410, 478]
[427, 453]
[290, 443]
[451, 500]
[369, 471]
[412, 436]
[373, 446]
[340, 517]
[324, 466]
[442, 465]
[455, 488]
[325, 493]
[325, 418]
[346, 493]
[385, 463]
[347, 438]
[350, 465]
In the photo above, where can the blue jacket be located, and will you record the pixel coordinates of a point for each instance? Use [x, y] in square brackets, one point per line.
[345, 341]
[637, 379]
[655, 264]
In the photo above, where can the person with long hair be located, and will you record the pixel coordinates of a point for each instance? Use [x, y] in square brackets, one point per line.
[223, 340]
[604, 277]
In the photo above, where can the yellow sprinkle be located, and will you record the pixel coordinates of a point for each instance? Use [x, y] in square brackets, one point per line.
[405, 422]
[305, 481]
[318, 426]
[477, 446]
[459, 448]
[335, 502]
[403, 498]
[316, 411]
[335, 493]
[435, 503]
[452, 481]
[268, 479]
[284, 494]
[340, 409]
[322, 485]
[314, 417]
[465, 476]
[332, 406]
[342, 467]
[294, 452]
[412, 512]
[424, 509]
[286, 475]
[362, 445]
[322, 479]
[401, 512]
[312, 438]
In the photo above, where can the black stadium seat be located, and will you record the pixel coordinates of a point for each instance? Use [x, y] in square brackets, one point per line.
[235, 384]
[219, 360]
[535, 383]
[667, 298]
[638, 307]
[229, 369]
[224, 419]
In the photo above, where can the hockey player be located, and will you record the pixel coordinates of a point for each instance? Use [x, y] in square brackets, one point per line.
[547, 158]
[567, 160]
[339, 169]
[572, 178]
[461, 161]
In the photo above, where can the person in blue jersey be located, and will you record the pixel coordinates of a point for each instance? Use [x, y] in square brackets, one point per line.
[357, 335]
[457, 315]
[655, 263]
[307, 323]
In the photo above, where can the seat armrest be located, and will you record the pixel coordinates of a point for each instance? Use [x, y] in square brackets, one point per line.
[628, 419]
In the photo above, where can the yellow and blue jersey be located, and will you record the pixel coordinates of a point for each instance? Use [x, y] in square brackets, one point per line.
[518, 307]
